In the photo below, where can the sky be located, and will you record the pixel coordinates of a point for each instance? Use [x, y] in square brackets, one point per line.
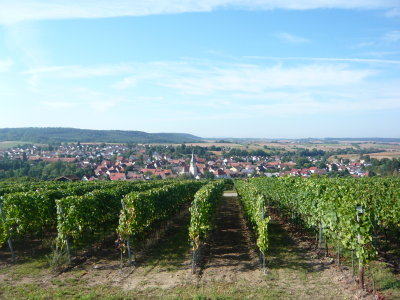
[212, 68]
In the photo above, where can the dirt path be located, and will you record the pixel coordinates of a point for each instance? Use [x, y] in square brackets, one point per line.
[231, 269]
[231, 256]
[294, 271]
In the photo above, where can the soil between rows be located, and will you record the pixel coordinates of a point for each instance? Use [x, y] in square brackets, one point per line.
[230, 269]
[231, 253]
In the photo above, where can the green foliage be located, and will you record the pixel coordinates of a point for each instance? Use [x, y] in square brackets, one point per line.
[59, 134]
[84, 217]
[332, 204]
[11, 168]
[27, 212]
[255, 209]
[30, 208]
[57, 259]
[202, 210]
[144, 209]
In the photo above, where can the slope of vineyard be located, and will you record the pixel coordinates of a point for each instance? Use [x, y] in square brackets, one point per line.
[271, 218]
[350, 212]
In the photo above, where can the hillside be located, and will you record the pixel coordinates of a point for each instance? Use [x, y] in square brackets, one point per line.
[60, 134]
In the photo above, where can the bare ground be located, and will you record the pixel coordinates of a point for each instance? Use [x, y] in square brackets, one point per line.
[230, 267]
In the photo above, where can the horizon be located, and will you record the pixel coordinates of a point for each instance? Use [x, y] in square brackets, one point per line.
[359, 138]
[214, 69]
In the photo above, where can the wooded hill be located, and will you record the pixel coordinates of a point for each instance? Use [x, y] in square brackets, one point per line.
[60, 134]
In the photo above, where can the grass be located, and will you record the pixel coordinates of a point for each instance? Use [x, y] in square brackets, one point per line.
[386, 281]
[80, 290]
[171, 252]
[290, 276]
[11, 144]
[29, 267]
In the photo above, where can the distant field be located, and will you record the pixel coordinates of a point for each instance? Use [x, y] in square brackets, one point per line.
[385, 155]
[209, 144]
[391, 148]
[10, 144]
[380, 155]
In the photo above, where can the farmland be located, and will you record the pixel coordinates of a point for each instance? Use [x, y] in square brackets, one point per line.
[227, 262]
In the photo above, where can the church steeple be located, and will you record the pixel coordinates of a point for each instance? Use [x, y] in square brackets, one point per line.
[193, 167]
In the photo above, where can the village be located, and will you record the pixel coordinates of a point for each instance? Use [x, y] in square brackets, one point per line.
[140, 162]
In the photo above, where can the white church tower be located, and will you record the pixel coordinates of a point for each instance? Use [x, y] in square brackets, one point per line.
[193, 167]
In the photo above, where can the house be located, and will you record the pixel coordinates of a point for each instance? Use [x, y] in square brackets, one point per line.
[134, 176]
[67, 178]
[220, 173]
[117, 176]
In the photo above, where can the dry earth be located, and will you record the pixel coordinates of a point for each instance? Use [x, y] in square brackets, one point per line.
[229, 262]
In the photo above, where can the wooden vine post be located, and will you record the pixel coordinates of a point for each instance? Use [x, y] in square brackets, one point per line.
[195, 247]
[9, 241]
[66, 237]
[320, 237]
[128, 245]
[360, 211]
[263, 218]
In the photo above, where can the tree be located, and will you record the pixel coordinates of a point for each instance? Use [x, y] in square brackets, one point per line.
[302, 162]
[321, 165]
[155, 177]
[209, 175]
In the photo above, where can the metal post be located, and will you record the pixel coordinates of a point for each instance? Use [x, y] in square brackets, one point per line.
[121, 259]
[128, 245]
[263, 212]
[320, 237]
[360, 264]
[9, 241]
[66, 238]
[262, 218]
[326, 247]
[194, 258]
[264, 268]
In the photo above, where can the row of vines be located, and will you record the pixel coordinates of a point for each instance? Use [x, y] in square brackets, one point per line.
[350, 212]
[202, 212]
[78, 214]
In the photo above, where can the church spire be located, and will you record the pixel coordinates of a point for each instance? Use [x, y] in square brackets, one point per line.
[193, 167]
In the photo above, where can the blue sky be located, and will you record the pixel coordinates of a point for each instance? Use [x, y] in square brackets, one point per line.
[214, 68]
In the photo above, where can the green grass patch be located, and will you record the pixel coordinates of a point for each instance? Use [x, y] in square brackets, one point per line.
[170, 252]
[81, 290]
[11, 144]
[28, 268]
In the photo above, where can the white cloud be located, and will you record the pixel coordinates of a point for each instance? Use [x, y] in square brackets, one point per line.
[383, 54]
[253, 78]
[394, 12]
[293, 39]
[88, 100]
[133, 81]
[261, 88]
[6, 65]
[12, 11]
[331, 59]
[392, 36]
[57, 105]
[103, 106]
[79, 71]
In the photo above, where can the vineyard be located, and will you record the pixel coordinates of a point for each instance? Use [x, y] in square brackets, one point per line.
[188, 229]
